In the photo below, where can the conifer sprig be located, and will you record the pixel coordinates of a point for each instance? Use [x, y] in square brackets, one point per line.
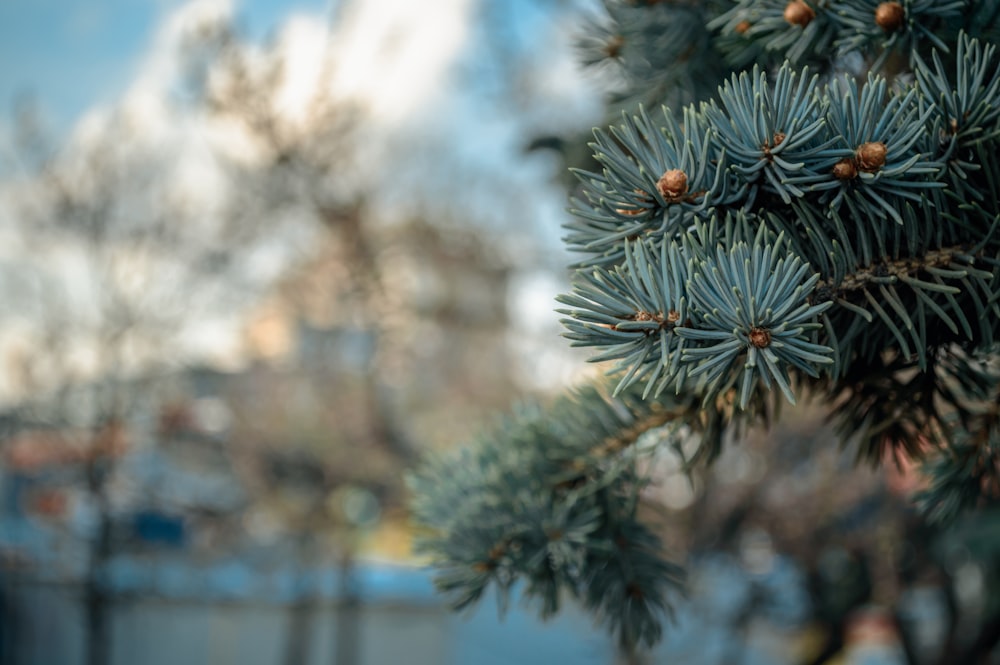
[875, 157]
[770, 131]
[793, 232]
[963, 476]
[551, 497]
[632, 313]
[657, 177]
[652, 53]
[750, 307]
[799, 31]
[877, 26]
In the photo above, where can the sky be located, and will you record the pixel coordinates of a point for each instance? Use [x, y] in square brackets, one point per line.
[69, 55]
[431, 77]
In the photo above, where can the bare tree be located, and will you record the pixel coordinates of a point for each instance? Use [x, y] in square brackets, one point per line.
[421, 347]
[129, 256]
[118, 263]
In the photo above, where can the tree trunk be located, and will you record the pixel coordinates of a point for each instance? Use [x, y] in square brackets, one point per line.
[98, 628]
[300, 630]
[348, 615]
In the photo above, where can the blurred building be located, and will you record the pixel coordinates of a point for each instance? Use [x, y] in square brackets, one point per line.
[345, 378]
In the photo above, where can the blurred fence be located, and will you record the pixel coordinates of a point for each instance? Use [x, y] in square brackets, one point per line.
[43, 624]
[395, 619]
[178, 612]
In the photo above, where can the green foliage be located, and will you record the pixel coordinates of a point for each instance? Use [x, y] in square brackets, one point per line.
[552, 498]
[792, 230]
[919, 22]
[750, 306]
[633, 314]
[769, 133]
[962, 476]
[653, 52]
[752, 29]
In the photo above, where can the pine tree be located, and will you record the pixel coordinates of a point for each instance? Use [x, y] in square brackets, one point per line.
[798, 199]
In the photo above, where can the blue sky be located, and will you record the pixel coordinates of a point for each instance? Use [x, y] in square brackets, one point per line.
[452, 91]
[72, 54]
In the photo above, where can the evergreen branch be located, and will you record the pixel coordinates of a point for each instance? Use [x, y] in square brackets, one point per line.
[749, 305]
[768, 132]
[886, 27]
[632, 313]
[796, 232]
[746, 307]
[797, 31]
[551, 497]
[965, 473]
[875, 157]
[653, 53]
[656, 180]
[900, 270]
[891, 408]
[939, 288]
[967, 103]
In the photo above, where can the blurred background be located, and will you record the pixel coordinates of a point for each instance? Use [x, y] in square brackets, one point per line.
[256, 257]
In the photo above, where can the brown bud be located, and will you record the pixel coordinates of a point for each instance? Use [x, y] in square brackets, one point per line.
[845, 169]
[673, 316]
[871, 156]
[779, 137]
[614, 46]
[629, 212]
[799, 13]
[742, 27]
[760, 337]
[890, 16]
[673, 185]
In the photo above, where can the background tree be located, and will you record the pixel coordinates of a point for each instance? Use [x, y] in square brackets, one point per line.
[425, 346]
[821, 224]
[145, 229]
[387, 344]
[124, 267]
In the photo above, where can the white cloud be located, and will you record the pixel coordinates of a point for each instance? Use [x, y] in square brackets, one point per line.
[432, 145]
[147, 105]
[303, 50]
[160, 68]
[394, 55]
